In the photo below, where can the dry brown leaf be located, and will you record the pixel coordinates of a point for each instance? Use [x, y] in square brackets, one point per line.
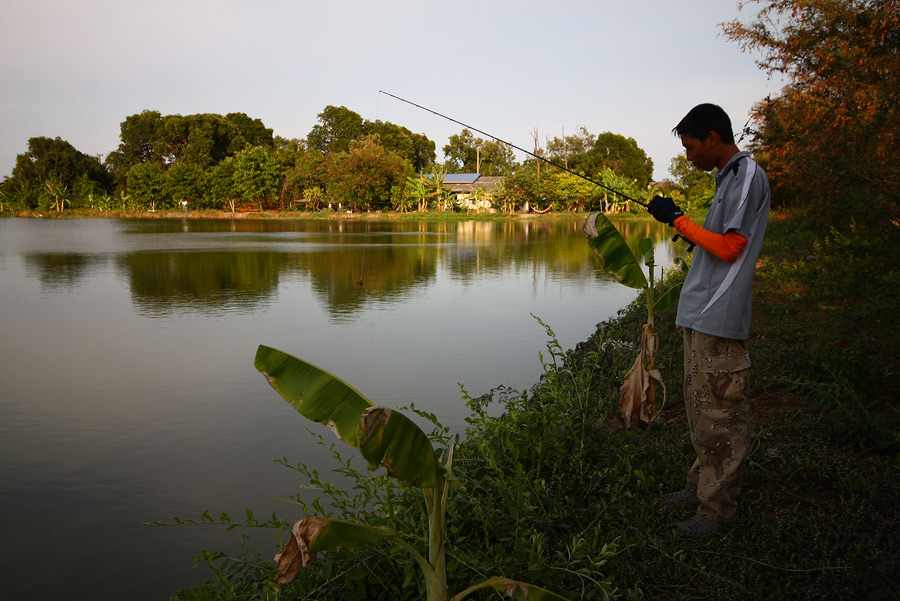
[296, 553]
[638, 392]
[511, 588]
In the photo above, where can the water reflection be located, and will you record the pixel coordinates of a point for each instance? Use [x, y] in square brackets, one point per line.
[61, 271]
[127, 387]
[204, 281]
[236, 265]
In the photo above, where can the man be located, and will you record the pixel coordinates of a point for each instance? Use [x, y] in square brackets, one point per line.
[714, 314]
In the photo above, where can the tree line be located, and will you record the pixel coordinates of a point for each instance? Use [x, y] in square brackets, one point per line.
[234, 162]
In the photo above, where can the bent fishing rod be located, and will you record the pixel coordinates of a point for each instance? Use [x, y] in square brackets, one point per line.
[548, 161]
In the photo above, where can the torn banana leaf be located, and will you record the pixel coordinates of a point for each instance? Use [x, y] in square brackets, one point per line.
[313, 534]
[384, 437]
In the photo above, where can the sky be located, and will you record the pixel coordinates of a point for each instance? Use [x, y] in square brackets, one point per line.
[76, 69]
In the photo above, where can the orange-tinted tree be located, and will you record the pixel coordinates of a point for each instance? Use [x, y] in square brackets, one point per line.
[832, 138]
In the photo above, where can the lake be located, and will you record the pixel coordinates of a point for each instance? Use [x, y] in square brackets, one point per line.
[127, 387]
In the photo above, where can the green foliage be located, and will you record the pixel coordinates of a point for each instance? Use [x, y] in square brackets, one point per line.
[257, 176]
[337, 127]
[415, 148]
[385, 438]
[827, 335]
[362, 178]
[204, 140]
[464, 153]
[146, 183]
[622, 155]
[571, 151]
[549, 493]
[51, 166]
[185, 181]
[696, 186]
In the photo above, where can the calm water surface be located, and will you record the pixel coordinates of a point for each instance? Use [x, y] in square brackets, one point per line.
[127, 387]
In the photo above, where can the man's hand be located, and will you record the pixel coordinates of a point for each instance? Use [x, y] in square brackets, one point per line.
[664, 209]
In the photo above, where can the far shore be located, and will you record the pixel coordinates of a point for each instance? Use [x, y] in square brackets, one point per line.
[294, 215]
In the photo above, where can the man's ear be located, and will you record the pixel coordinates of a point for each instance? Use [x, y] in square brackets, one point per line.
[713, 138]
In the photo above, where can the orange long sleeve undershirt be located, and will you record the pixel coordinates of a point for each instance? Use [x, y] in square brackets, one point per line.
[725, 246]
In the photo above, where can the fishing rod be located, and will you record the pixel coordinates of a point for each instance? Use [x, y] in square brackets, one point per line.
[558, 166]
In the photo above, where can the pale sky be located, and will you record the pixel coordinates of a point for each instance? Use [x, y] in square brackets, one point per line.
[75, 69]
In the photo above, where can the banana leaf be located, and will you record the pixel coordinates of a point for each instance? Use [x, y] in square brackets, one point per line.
[667, 298]
[314, 534]
[384, 437]
[614, 253]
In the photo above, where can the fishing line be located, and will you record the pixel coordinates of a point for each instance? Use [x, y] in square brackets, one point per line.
[548, 161]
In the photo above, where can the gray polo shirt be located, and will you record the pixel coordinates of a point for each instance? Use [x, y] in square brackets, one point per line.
[715, 298]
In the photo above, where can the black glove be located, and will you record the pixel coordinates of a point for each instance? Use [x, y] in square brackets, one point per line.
[664, 209]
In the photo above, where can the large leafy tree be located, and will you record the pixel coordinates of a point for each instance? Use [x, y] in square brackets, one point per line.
[139, 141]
[56, 160]
[337, 127]
[622, 155]
[831, 138]
[571, 151]
[257, 176]
[203, 139]
[363, 177]
[147, 183]
[465, 153]
[185, 181]
[415, 148]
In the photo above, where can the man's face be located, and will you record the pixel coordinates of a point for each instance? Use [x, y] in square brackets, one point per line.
[700, 152]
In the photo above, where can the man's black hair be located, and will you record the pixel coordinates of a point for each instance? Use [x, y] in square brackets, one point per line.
[703, 119]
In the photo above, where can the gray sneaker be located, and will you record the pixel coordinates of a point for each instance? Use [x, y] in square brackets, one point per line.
[681, 496]
[699, 526]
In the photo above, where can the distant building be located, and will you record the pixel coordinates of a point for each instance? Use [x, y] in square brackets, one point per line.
[473, 191]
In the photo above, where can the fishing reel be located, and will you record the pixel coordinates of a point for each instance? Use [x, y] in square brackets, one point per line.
[690, 247]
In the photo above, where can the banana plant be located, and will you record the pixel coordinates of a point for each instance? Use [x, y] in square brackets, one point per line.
[638, 392]
[385, 438]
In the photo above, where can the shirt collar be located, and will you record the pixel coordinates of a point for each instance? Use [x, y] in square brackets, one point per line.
[731, 164]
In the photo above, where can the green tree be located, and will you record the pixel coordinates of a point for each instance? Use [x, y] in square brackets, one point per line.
[523, 186]
[415, 148]
[571, 151]
[220, 180]
[58, 162]
[572, 192]
[247, 132]
[257, 176]
[139, 141]
[310, 171]
[202, 139]
[830, 140]
[363, 177]
[337, 127]
[464, 153]
[622, 155]
[146, 184]
[185, 181]
[697, 186]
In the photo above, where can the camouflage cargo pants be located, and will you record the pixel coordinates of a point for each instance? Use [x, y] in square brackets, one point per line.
[716, 372]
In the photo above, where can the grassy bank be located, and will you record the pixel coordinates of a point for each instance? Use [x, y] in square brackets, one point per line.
[549, 493]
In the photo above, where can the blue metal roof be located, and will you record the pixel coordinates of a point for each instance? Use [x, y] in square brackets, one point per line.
[461, 178]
